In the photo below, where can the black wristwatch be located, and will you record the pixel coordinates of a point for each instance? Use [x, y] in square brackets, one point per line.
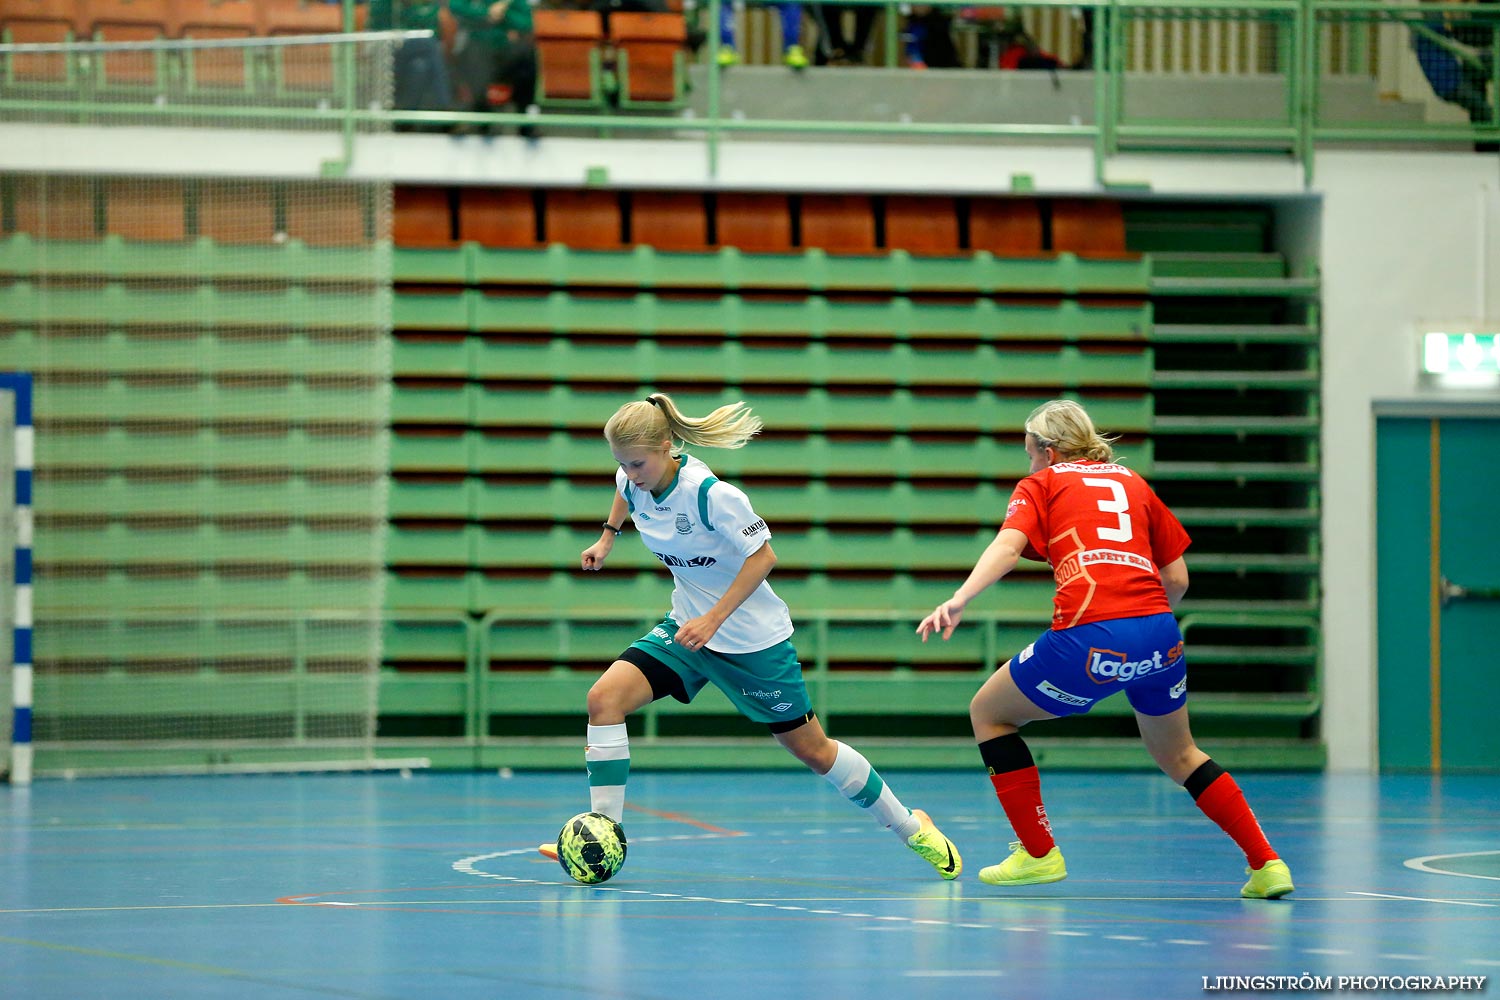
[610, 527]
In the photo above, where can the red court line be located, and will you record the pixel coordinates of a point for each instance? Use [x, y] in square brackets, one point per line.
[305, 898]
[679, 818]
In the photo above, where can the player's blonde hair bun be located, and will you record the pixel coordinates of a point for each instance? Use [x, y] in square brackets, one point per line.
[1066, 427]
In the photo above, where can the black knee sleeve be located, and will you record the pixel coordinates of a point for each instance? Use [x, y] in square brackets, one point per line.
[1006, 753]
[787, 725]
[1207, 773]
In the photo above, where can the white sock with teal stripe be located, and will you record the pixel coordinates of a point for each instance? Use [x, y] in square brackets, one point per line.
[608, 758]
[861, 784]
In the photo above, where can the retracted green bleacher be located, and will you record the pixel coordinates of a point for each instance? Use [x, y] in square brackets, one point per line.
[893, 346]
[1236, 338]
[893, 368]
[213, 434]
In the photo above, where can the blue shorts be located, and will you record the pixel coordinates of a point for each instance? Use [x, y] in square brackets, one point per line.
[1067, 670]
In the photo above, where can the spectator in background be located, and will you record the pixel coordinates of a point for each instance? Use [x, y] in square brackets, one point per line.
[421, 70]
[496, 49]
[928, 38]
[791, 36]
[1085, 58]
[1023, 52]
[1456, 56]
[836, 49]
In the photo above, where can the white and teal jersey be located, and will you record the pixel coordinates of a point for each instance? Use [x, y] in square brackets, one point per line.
[703, 531]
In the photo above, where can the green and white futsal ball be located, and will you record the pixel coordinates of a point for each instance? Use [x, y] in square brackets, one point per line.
[591, 848]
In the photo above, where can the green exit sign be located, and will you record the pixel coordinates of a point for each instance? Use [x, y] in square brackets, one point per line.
[1461, 353]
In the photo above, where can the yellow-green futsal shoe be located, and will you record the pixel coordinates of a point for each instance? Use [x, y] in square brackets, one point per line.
[1022, 869]
[936, 849]
[1269, 881]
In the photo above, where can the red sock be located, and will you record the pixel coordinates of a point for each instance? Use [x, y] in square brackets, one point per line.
[1224, 803]
[1020, 794]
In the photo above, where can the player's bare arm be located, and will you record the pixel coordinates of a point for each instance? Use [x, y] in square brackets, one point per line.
[696, 632]
[998, 559]
[593, 557]
[1174, 580]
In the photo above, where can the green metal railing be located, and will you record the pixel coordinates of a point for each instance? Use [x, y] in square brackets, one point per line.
[1295, 47]
[492, 711]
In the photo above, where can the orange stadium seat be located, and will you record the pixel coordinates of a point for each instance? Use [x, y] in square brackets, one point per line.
[760, 223]
[300, 17]
[583, 220]
[497, 217]
[59, 16]
[568, 46]
[1093, 227]
[58, 208]
[237, 211]
[212, 19]
[650, 57]
[841, 223]
[151, 210]
[1007, 227]
[921, 225]
[34, 22]
[129, 21]
[303, 67]
[324, 216]
[422, 217]
[669, 220]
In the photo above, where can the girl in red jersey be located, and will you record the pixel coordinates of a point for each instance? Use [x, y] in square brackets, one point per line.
[1116, 553]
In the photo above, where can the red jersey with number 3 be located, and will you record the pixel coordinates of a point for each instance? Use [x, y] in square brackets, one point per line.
[1106, 534]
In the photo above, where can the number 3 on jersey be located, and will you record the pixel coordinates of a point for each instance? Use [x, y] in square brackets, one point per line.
[1117, 505]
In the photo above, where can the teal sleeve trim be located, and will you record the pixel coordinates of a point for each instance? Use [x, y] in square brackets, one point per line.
[608, 772]
[703, 502]
[629, 502]
[866, 796]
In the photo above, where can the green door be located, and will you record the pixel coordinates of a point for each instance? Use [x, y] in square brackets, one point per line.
[1438, 576]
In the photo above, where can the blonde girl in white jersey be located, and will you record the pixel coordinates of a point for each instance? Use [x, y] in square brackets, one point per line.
[727, 627]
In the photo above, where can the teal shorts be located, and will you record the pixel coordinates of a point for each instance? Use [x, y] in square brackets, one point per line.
[766, 685]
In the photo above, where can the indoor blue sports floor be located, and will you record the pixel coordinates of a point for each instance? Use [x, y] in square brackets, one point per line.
[738, 885]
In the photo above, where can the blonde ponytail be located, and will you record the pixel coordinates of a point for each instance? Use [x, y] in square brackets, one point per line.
[1066, 427]
[647, 423]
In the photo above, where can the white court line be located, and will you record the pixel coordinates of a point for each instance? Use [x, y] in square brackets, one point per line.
[1421, 864]
[883, 922]
[1422, 899]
